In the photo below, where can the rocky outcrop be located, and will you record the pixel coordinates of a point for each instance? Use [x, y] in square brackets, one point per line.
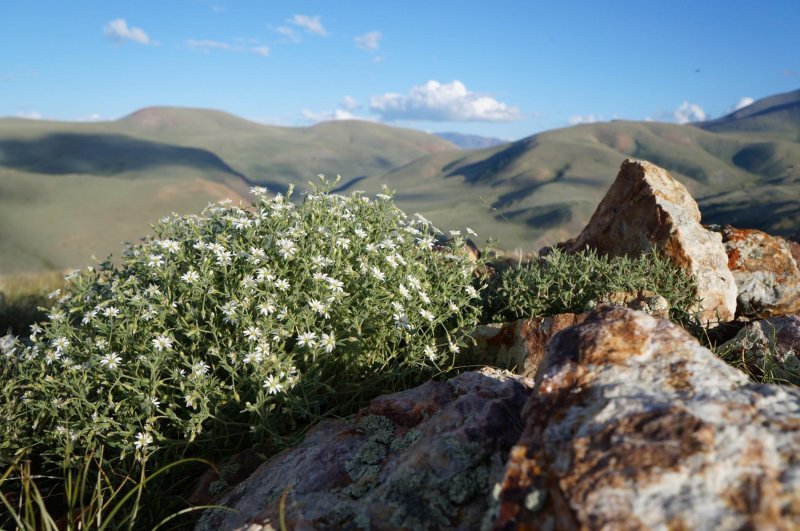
[426, 458]
[634, 425]
[643, 300]
[518, 345]
[644, 208]
[766, 272]
[768, 349]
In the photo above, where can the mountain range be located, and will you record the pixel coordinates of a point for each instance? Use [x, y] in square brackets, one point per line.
[72, 190]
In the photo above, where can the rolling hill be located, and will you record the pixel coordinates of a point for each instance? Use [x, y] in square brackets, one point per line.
[70, 190]
[544, 188]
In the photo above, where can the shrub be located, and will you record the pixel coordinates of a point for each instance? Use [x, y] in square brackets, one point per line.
[572, 283]
[238, 323]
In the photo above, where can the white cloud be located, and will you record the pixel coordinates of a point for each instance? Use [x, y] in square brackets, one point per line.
[94, 117]
[289, 33]
[206, 45]
[324, 116]
[741, 104]
[576, 119]
[30, 115]
[308, 23]
[369, 41]
[118, 31]
[349, 103]
[689, 112]
[438, 102]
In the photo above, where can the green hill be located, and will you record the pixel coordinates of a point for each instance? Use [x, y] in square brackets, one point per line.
[72, 190]
[544, 188]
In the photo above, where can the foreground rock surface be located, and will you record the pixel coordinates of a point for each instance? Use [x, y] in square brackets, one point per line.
[634, 425]
[771, 345]
[766, 272]
[646, 207]
[426, 458]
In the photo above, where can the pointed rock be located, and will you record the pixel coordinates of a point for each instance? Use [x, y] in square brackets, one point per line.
[644, 208]
[766, 272]
[633, 424]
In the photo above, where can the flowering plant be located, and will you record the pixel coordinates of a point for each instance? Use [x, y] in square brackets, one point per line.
[240, 322]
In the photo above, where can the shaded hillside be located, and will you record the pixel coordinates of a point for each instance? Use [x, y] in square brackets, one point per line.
[72, 190]
[777, 116]
[471, 141]
[544, 188]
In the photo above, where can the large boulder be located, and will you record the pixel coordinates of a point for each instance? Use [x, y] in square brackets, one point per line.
[766, 272]
[632, 424]
[645, 208]
[426, 458]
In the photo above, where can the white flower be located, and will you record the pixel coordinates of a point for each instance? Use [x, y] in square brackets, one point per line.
[162, 342]
[88, 316]
[377, 273]
[286, 248]
[110, 311]
[155, 401]
[272, 385]
[199, 369]
[472, 232]
[155, 260]
[401, 321]
[344, 243]
[54, 294]
[414, 282]
[266, 308]
[60, 344]
[229, 308]
[257, 255]
[328, 342]
[361, 233]
[170, 246]
[189, 399]
[426, 314]
[306, 339]
[319, 307]
[452, 306]
[454, 348]
[224, 258]
[392, 261]
[258, 191]
[281, 284]
[472, 292]
[252, 333]
[142, 440]
[190, 276]
[424, 297]
[427, 241]
[430, 352]
[56, 316]
[112, 360]
[404, 291]
[101, 343]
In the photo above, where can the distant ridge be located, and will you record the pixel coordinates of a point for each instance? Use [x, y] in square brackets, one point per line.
[776, 115]
[471, 141]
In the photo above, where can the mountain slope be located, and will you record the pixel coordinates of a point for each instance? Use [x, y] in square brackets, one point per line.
[777, 116]
[72, 190]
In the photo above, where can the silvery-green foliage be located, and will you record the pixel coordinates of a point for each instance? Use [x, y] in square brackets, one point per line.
[243, 321]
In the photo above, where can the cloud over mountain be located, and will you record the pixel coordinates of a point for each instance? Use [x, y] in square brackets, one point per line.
[741, 104]
[689, 112]
[442, 102]
[118, 31]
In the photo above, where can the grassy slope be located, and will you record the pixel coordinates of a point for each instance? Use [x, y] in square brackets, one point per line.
[69, 191]
[544, 188]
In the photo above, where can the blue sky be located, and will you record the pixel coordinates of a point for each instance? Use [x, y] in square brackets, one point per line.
[506, 68]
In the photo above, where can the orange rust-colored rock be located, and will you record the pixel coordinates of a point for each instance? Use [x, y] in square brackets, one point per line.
[766, 272]
[645, 208]
[632, 424]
